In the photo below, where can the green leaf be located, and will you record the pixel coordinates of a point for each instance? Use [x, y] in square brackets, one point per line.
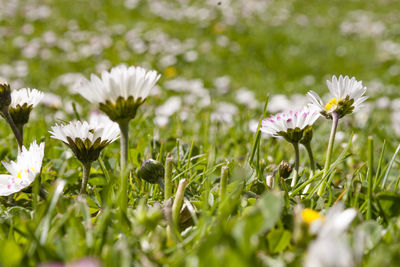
[10, 253]
[278, 240]
[389, 203]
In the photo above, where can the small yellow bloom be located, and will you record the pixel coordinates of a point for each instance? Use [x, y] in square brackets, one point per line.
[309, 216]
[170, 72]
[332, 103]
[218, 28]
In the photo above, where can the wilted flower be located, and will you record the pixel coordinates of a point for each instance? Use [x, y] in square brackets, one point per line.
[346, 96]
[22, 172]
[121, 91]
[290, 125]
[22, 102]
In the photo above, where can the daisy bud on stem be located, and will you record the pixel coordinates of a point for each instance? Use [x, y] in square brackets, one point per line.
[5, 101]
[152, 172]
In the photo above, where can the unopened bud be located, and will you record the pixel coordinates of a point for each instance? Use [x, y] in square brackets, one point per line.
[5, 95]
[152, 171]
[284, 169]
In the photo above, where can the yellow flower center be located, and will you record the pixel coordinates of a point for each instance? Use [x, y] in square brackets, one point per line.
[19, 175]
[332, 103]
[309, 216]
[170, 72]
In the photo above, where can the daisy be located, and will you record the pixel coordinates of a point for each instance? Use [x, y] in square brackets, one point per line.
[119, 93]
[22, 102]
[295, 127]
[346, 97]
[23, 171]
[290, 125]
[86, 140]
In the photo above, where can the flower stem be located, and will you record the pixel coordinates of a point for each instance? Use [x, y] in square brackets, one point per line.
[10, 121]
[296, 163]
[168, 178]
[369, 176]
[85, 176]
[335, 121]
[177, 205]
[124, 128]
[311, 157]
[312, 164]
[224, 183]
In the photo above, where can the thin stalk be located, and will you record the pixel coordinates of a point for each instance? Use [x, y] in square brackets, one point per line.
[312, 164]
[10, 121]
[177, 205]
[224, 183]
[168, 178]
[124, 141]
[335, 121]
[85, 176]
[20, 128]
[370, 170]
[296, 163]
[311, 157]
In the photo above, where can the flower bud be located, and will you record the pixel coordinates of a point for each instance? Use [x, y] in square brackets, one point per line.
[152, 171]
[5, 95]
[284, 169]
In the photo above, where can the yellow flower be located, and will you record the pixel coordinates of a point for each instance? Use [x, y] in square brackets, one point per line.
[170, 72]
[309, 216]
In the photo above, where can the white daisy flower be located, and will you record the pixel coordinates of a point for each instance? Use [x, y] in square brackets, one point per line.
[30, 97]
[290, 125]
[22, 172]
[22, 102]
[86, 139]
[121, 91]
[346, 97]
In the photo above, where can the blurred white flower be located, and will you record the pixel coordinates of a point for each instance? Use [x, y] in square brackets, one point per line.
[224, 113]
[22, 172]
[346, 97]
[247, 98]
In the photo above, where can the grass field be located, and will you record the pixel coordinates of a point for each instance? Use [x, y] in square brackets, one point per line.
[221, 62]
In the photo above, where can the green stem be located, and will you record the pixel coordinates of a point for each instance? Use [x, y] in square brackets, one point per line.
[335, 121]
[85, 176]
[124, 140]
[224, 183]
[168, 178]
[296, 163]
[177, 205]
[10, 121]
[370, 170]
[311, 157]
